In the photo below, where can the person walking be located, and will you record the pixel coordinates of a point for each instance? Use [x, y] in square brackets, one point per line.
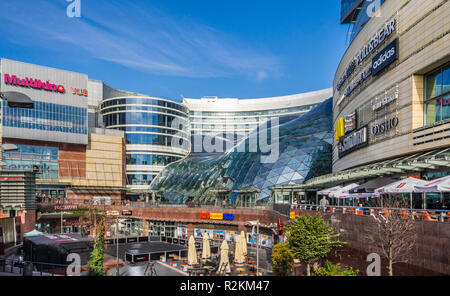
[324, 204]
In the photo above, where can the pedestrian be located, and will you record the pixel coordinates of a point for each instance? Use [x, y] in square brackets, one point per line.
[324, 204]
[224, 203]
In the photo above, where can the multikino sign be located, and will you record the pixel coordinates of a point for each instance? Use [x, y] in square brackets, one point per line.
[33, 83]
[353, 141]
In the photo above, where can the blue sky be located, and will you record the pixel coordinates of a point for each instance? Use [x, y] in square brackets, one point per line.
[169, 48]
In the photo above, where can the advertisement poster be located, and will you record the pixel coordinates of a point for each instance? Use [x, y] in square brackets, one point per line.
[220, 235]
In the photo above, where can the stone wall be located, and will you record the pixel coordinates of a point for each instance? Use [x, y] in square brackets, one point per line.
[431, 255]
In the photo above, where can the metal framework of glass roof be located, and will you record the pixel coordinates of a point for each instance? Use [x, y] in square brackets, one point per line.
[431, 160]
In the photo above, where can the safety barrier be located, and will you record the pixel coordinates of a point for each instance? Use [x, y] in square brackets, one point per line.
[415, 214]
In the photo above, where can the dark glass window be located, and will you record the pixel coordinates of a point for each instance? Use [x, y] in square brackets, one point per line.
[437, 95]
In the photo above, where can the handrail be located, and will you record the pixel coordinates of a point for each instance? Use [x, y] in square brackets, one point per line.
[89, 202]
[416, 214]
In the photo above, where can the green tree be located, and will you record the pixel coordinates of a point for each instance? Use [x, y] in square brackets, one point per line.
[95, 264]
[282, 259]
[310, 238]
[335, 270]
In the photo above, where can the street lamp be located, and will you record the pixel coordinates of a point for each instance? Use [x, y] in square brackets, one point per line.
[253, 223]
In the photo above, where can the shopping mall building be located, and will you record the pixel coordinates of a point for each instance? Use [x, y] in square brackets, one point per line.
[86, 141]
[391, 96]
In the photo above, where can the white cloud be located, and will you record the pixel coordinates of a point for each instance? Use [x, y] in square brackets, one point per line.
[125, 34]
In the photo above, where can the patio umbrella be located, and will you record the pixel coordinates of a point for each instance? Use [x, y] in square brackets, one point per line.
[373, 184]
[224, 260]
[206, 252]
[238, 255]
[192, 252]
[403, 186]
[244, 243]
[329, 190]
[344, 191]
[438, 185]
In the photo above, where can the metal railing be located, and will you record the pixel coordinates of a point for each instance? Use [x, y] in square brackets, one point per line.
[415, 214]
[89, 202]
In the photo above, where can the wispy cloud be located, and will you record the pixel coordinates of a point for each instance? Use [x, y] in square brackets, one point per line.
[128, 35]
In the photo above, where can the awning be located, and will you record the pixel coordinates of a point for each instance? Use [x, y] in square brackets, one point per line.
[438, 185]
[360, 195]
[344, 191]
[402, 186]
[330, 190]
[370, 186]
[438, 159]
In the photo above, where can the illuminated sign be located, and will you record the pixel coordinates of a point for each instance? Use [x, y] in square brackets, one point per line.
[66, 207]
[79, 91]
[366, 51]
[386, 57]
[127, 213]
[217, 216]
[384, 126]
[33, 83]
[376, 40]
[353, 141]
[340, 129]
[350, 123]
[385, 101]
[345, 126]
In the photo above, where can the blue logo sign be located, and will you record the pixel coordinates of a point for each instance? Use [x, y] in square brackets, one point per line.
[385, 57]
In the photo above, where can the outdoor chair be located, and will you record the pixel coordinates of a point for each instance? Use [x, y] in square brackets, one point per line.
[427, 217]
[405, 214]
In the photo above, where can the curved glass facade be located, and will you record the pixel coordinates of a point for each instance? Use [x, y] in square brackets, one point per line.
[304, 146]
[153, 127]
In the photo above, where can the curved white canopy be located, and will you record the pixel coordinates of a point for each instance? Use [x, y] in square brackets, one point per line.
[403, 186]
[438, 185]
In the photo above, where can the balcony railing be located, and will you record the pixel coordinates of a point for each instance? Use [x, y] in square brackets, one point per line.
[415, 214]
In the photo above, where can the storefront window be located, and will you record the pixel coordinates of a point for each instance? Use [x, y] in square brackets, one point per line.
[437, 96]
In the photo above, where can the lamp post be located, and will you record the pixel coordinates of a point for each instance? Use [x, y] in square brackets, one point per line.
[257, 244]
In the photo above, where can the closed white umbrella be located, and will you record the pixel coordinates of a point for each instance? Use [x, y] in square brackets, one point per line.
[238, 255]
[224, 264]
[192, 252]
[244, 243]
[206, 252]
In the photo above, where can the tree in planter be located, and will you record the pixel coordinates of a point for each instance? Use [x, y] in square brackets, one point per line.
[282, 259]
[335, 270]
[393, 233]
[310, 239]
[95, 264]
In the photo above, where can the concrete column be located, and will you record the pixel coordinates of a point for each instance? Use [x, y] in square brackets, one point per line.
[144, 227]
[190, 230]
[241, 227]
